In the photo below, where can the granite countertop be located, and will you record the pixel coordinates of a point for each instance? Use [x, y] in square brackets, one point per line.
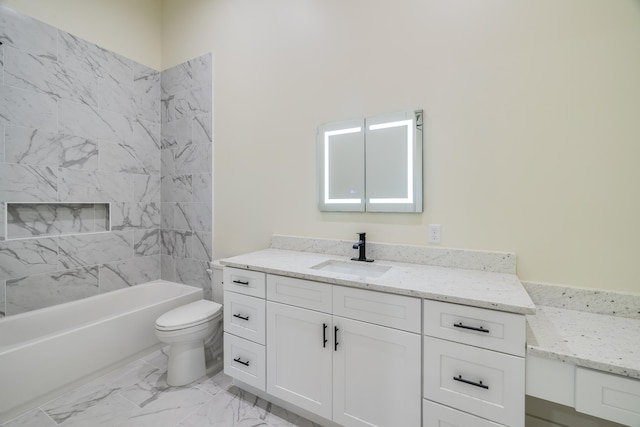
[485, 289]
[598, 341]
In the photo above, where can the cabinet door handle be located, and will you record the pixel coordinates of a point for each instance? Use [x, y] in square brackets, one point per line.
[238, 360]
[240, 282]
[324, 335]
[471, 328]
[241, 317]
[477, 384]
[335, 338]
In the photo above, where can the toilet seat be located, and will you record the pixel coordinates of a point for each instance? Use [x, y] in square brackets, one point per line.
[188, 316]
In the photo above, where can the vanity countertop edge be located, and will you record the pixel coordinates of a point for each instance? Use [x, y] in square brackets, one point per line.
[496, 291]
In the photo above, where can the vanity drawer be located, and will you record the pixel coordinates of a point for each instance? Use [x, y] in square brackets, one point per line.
[436, 415]
[245, 361]
[475, 380]
[494, 330]
[299, 292]
[244, 316]
[608, 396]
[244, 281]
[394, 311]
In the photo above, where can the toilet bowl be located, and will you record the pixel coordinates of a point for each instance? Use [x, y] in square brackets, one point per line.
[186, 329]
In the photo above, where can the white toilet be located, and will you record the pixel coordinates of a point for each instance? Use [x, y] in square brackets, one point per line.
[186, 329]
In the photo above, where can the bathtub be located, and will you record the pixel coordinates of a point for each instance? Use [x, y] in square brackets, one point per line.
[48, 351]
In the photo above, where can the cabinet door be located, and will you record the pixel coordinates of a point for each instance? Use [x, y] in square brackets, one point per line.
[376, 376]
[299, 358]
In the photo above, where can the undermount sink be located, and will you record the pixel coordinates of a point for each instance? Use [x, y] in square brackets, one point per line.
[354, 268]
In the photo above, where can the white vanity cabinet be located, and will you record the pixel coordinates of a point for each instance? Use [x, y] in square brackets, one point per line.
[244, 326]
[351, 368]
[473, 362]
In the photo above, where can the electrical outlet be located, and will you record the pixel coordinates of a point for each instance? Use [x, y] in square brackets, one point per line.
[434, 233]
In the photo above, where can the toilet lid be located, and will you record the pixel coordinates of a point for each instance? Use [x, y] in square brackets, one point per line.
[188, 315]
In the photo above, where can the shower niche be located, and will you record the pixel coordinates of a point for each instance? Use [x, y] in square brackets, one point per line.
[33, 220]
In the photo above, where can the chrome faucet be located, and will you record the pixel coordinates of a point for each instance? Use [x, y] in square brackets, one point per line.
[361, 245]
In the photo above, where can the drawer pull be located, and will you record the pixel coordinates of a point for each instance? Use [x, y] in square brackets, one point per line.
[241, 362]
[324, 335]
[478, 384]
[240, 282]
[241, 317]
[471, 328]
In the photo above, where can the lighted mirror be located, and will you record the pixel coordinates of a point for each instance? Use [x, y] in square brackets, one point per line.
[372, 164]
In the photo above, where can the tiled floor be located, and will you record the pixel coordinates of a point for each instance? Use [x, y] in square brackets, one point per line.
[137, 395]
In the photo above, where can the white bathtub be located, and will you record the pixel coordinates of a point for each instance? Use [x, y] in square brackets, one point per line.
[45, 352]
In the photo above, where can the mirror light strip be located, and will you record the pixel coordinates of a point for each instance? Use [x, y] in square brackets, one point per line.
[409, 125]
[328, 134]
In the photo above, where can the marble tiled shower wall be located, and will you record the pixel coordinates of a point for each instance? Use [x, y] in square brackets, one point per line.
[186, 207]
[80, 124]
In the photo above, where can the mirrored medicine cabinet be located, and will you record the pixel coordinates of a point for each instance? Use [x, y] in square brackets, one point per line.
[372, 164]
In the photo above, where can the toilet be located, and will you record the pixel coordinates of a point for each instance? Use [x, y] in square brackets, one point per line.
[186, 329]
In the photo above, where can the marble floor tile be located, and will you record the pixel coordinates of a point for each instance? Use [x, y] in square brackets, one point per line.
[137, 395]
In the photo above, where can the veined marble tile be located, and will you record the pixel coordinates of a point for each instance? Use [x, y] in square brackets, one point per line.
[130, 272]
[121, 157]
[166, 215]
[117, 97]
[102, 217]
[3, 309]
[176, 188]
[2, 136]
[193, 272]
[146, 188]
[193, 159]
[34, 220]
[202, 249]
[202, 70]
[176, 79]
[35, 147]
[2, 218]
[95, 123]
[78, 402]
[43, 290]
[146, 142]
[177, 133]
[20, 258]
[176, 243]
[167, 165]
[25, 108]
[202, 129]
[191, 103]
[33, 418]
[28, 34]
[146, 242]
[91, 249]
[192, 216]
[94, 186]
[31, 72]
[25, 183]
[167, 267]
[236, 407]
[127, 216]
[80, 54]
[146, 93]
[202, 188]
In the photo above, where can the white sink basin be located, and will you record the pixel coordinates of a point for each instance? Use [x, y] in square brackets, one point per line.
[354, 268]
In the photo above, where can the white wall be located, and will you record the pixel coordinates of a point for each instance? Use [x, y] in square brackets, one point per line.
[130, 28]
[532, 130]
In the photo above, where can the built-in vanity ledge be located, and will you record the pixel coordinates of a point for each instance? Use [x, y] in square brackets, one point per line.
[583, 348]
[484, 289]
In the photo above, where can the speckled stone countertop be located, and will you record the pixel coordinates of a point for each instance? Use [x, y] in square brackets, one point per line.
[485, 289]
[591, 340]
[592, 328]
